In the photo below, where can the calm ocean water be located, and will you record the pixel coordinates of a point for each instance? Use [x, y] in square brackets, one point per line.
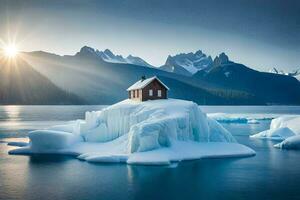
[271, 174]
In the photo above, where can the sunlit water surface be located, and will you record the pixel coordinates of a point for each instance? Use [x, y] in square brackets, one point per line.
[271, 174]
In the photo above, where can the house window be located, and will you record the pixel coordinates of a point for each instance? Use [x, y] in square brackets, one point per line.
[151, 93]
[137, 93]
[159, 93]
[133, 93]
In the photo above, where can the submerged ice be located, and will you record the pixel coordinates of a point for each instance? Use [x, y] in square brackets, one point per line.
[151, 132]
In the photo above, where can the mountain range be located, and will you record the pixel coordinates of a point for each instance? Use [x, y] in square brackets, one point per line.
[101, 77]
[109, 56]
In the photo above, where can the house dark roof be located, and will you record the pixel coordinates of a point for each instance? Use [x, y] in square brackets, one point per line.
[143, 83]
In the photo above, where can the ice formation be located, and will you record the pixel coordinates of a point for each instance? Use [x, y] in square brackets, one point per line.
[285, 129]
[151, 132]
[292, 142]
[241, 118]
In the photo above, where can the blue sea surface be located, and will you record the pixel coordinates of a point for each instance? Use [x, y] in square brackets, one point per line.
[271, 174]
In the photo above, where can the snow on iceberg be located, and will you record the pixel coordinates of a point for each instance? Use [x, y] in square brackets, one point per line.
[151, 132]
[284, 128]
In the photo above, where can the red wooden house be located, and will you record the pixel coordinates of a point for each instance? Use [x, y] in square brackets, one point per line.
[148, 89]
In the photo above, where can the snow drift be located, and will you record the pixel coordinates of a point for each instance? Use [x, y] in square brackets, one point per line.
[285, 129]
[152, 132]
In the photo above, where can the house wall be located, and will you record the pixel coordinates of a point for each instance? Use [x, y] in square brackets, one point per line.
[155, 86]
[135, 95]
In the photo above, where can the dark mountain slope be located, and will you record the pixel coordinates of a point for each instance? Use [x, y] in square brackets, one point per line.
[268, 87]
[21, 84]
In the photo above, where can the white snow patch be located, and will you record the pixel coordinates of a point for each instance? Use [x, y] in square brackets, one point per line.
[227, 74]
[152, 132]
[188, 65]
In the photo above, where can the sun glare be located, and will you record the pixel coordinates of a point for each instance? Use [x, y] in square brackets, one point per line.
[10, 51]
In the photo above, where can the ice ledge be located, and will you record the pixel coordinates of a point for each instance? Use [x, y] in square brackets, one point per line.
[179, 151]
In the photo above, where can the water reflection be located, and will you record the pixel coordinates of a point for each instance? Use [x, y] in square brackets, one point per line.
[12, 113]
[13, 173]
[17, 121]
[271, 171]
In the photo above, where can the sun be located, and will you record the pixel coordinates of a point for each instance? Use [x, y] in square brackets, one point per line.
[10, 51]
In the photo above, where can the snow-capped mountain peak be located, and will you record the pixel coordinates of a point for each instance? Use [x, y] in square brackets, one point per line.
[108, 56]
[137, 61]
[187, 63]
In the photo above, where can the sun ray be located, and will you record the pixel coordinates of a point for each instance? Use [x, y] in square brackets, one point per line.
[10, 51]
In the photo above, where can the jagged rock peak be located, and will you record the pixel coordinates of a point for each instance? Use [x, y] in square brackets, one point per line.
[87, 49]
[221, 59]
[187, 63]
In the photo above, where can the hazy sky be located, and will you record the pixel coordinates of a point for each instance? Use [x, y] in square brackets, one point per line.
[259, 33]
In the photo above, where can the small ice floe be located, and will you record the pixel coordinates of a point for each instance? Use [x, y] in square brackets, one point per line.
[285, 129]
[240, 118]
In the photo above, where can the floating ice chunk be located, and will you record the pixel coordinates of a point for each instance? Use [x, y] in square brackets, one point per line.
[253, 121]
[228, 118]
[292, 122]
[281, 128]
[241, 118]
[275, 134]
[284, 128]
[290, 143]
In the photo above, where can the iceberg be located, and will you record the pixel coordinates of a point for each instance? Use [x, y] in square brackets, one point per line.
[150, 132]
[285, 129]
